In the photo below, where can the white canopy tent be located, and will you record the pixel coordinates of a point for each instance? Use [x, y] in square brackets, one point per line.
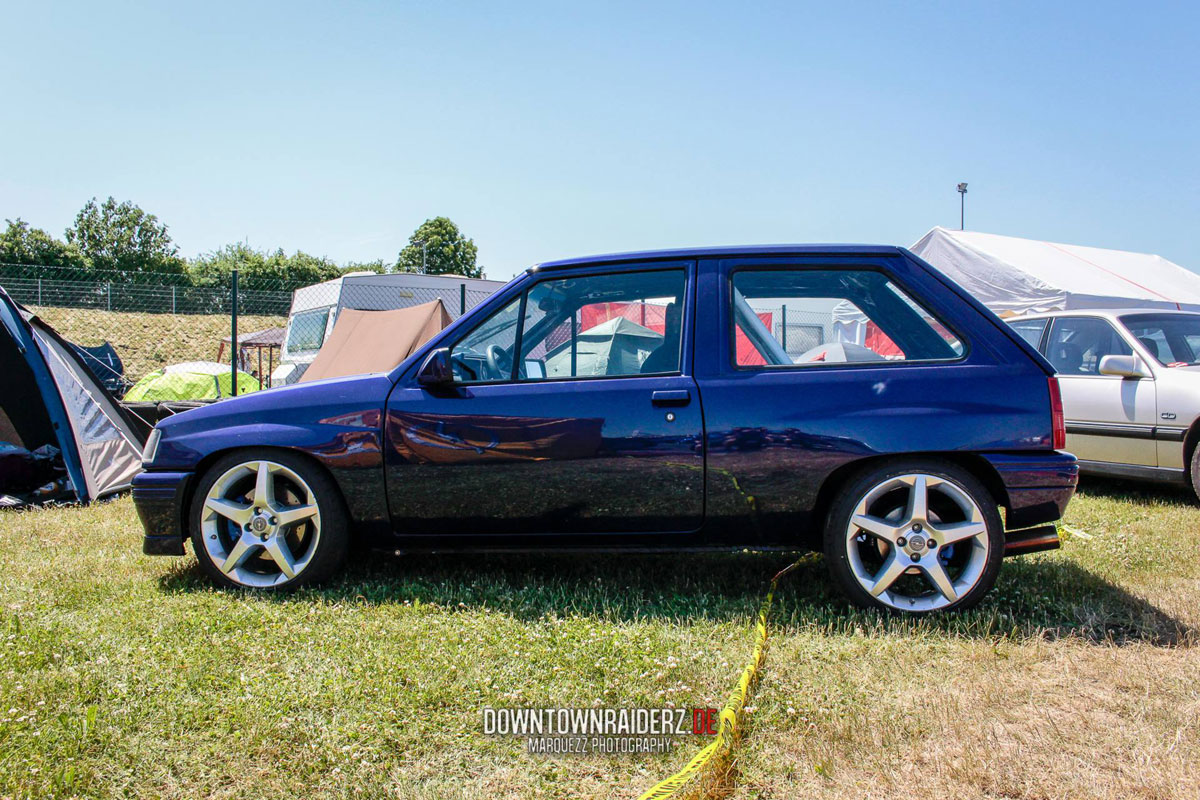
[1015, 276]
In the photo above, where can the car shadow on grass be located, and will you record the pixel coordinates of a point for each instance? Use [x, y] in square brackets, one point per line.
[1046, 596]
[1140, 492]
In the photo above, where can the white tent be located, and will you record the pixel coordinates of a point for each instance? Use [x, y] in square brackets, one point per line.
[1015, 276]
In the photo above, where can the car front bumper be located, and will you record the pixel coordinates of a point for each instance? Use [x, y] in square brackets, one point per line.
[159, 498]
[1038, 486]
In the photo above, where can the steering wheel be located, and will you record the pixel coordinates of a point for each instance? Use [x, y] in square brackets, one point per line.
[499, 362]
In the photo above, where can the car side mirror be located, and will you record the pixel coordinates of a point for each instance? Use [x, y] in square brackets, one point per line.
[436, 371]
[1122, 366]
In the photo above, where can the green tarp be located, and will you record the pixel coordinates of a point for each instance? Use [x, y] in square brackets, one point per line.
[199, 380]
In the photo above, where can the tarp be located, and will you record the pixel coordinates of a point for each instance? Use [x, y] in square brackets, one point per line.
[616, 347]
[194, 380]
[1015, 276]
[54, 413]
[375, 341]
[103, 362]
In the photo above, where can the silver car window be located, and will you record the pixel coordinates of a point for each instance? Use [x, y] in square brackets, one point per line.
[1078, 343]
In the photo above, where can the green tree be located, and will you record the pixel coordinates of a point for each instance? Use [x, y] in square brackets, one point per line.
[377, 266]
[21, 244]
[438, 247]
[121, 236]
[261, 269]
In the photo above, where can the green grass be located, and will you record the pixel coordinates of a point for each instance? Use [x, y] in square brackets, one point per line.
[123, 675]
[146, 342]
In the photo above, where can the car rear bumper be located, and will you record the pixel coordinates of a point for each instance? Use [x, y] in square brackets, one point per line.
[159, 499]
[1039, 486]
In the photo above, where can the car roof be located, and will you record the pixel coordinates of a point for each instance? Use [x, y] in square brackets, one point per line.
[723, 252]
[1106, 313]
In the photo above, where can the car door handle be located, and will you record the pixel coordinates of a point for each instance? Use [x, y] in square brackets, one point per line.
[671, 397]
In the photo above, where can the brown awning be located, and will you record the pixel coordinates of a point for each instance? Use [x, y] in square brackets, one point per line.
[375, 341]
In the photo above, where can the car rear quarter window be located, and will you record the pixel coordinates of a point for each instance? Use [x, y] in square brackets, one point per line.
[819, 317]
[1030, 330]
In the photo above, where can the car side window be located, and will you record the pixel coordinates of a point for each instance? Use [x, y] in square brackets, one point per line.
[484, 355]
[618, 324]
[814, 317]
[1171, 339]
[1030, 330]
[609, 325]
[1078, 343]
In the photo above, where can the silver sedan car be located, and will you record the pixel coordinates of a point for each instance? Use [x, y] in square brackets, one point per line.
[1130, 382]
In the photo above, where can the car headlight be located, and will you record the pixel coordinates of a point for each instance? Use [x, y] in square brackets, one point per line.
[151, 448]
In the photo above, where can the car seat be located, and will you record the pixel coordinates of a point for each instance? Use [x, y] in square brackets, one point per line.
[665, 357]
[1066, 358]
[1151, 346]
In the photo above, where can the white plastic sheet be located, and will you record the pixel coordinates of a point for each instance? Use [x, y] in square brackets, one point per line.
[1016, 276]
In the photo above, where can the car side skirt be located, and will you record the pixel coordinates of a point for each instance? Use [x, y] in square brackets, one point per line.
[1138, 472]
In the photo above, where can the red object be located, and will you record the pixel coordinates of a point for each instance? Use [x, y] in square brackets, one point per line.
[746, 354]
[705, 721]
[648, 315]
[1057, 422]
[880, 342]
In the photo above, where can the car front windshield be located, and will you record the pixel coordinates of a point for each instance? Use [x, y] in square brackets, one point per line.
[1172, 339]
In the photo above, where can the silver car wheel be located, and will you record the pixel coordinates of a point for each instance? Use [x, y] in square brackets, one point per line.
[917, 542]
[261, 524]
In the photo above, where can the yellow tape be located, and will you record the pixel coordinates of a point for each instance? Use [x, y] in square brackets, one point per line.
[731, 713]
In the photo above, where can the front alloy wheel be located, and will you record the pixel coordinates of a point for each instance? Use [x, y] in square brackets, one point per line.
[267, 520]
[915, 538]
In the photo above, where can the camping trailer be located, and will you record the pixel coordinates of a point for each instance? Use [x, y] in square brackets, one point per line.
[315, 308]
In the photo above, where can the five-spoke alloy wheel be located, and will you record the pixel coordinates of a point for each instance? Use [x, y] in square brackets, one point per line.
[267, 520]
[915, 536]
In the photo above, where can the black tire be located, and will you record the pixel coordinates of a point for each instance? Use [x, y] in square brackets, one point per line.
[1194, 472]
[332, 542]
[837, 542]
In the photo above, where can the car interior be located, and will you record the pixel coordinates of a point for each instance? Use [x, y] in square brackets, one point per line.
[1172, 339]
[591, 326]
[903, 330]
[1077, 345]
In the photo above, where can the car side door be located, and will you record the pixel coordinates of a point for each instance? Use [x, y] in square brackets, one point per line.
[1110, 419]
[573, 411]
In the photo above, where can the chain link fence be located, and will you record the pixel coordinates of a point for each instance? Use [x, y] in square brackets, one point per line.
[133, 324]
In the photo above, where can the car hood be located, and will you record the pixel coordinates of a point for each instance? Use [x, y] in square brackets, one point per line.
[300, 402]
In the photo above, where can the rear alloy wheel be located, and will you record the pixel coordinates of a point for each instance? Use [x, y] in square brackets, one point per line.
[916, 537]
[267, 520]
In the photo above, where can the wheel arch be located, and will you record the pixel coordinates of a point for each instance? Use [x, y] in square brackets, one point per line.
[973, 463]
[206, 463]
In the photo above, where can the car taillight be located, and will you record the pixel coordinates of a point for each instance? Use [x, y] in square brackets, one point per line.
[1057, 423]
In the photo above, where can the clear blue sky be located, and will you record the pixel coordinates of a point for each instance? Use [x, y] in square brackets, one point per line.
[547, 130]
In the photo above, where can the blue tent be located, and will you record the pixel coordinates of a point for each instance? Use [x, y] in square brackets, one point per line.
[56, 420]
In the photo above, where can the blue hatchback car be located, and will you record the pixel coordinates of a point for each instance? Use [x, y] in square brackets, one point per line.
[846, 398]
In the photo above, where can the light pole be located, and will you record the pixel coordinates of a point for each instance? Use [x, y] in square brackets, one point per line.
[962, 206]
[424, 255]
